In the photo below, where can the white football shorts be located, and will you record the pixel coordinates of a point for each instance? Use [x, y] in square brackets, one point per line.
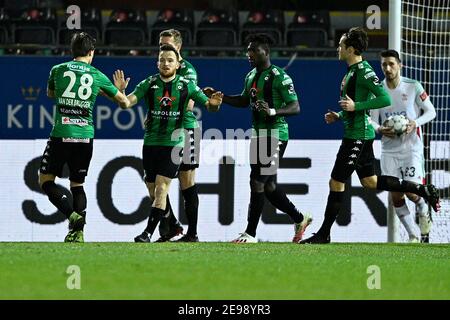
[407, 168]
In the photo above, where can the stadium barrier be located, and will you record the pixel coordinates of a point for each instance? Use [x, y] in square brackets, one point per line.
[118, 203]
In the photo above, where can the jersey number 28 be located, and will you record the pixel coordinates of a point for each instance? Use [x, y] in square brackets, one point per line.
[84, 91]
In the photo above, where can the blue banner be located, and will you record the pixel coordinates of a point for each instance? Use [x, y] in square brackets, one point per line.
[27, 112]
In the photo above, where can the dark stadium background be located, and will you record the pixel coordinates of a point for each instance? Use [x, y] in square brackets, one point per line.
[316, 71]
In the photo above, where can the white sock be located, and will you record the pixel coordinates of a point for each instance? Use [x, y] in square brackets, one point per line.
[421, 207]
[405, 218]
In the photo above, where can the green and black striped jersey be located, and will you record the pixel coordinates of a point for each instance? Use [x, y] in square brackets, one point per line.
[76, 85]
[362, 85]
[167, 103]
[188, 71]
[275, 87]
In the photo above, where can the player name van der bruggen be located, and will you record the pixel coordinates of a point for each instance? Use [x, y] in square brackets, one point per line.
[74, 102]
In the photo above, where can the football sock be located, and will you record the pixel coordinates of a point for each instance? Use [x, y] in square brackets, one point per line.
[153, 220]
[148, 227]
[280, 201]
[57, 198]
[79, 199]
[390, 183]
[405, 218]
[168, 220]
[190, 196]
[420, 204]
[254, 212]
[331, 212]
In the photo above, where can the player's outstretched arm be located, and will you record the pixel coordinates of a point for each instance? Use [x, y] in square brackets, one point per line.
[237, 101]
[122, 100]
[121, 83]
[119, 80]
[214, 101]
[104, 94]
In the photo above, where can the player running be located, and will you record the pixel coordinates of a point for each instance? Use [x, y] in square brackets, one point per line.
[361, 91]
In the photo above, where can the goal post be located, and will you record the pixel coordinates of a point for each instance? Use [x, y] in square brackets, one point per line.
[420, 31]
[394, 42]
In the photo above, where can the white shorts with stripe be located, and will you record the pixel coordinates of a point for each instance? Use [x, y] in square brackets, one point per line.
[410, 168]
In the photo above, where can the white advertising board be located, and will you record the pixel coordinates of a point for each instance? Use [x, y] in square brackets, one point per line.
[115, 192]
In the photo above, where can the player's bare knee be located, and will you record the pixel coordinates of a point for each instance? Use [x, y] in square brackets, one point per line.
[160, 202]
[396, 196]
[256, 186]
[336, 186]
[187, 179]
[162, 185]
[151, 189]
[413, 197]
[160, 190]
[160, 196]
[398, 199]
[369, 182]
[43, 178]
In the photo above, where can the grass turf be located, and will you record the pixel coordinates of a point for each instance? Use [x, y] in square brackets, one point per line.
[224, 271]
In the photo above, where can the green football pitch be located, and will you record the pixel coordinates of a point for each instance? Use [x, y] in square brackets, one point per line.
[204, 271]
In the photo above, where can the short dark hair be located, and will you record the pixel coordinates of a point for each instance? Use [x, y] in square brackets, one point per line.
[81, 43]
[168, 47]
[175, 34]
[261, 39]
[391, 53]
[357, 38]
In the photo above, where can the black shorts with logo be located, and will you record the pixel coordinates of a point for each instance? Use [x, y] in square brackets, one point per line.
[191, 151]
[76, 152]
[354, 155]
[265, 156]
[161, 160]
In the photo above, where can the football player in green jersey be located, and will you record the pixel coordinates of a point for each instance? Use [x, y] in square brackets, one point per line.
[74, 85]
[360, 91]
[169, 226]
[167, 97]
[270, 93]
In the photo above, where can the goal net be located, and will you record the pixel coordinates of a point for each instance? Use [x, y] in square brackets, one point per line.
[425, 49]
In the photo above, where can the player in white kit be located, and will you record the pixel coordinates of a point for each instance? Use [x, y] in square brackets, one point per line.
[402, 156]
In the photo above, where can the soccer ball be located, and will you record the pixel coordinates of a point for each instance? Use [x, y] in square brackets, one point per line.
[397, 122]
[389, 123]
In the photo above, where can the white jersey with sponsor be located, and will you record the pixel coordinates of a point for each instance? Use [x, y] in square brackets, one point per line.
[409, 99]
